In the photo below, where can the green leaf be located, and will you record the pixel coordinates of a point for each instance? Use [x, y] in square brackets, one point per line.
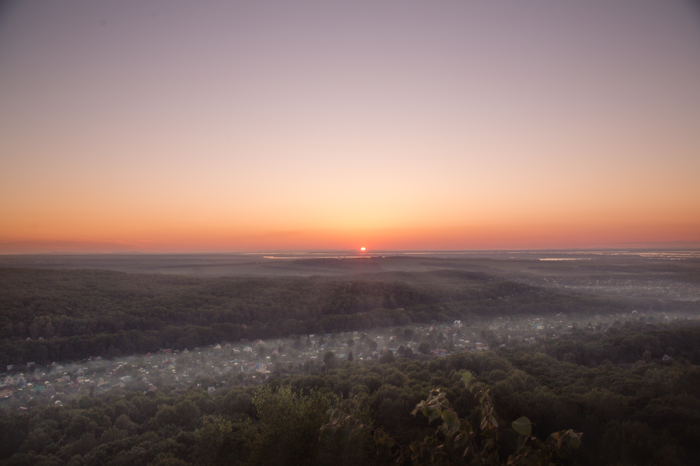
[467, 377]
[574, 440]
[451, 420]
[434, 415]
[523, 426]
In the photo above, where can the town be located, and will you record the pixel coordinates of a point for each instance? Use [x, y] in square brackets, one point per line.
[246, 363]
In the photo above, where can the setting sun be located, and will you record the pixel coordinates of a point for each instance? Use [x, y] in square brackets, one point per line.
[362, 248]
[557, 151]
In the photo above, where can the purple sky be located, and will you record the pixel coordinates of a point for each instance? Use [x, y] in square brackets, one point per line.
[246, 125]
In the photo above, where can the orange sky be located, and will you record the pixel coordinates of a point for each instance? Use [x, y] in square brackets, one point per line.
[248, 126]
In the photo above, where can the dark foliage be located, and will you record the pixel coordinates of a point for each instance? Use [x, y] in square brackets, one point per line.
[55, 315]
[644, 412]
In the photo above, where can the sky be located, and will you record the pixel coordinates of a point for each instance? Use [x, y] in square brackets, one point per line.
[241, 126]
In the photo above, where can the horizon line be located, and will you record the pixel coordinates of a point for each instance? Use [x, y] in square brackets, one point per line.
[694, 246]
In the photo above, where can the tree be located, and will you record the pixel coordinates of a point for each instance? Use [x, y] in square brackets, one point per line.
[456, 441]
[330, 360]
[695, 357]
[387, 357]
[219, 442]
[289, 425]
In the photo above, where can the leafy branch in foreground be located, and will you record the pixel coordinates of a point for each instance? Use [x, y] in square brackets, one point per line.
[455, 441]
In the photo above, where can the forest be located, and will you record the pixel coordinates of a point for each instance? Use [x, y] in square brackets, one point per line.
[57, 315]
[580, 385]
[643, 412]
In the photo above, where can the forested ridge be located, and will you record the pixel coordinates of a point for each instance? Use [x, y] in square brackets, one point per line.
[631, 389]
[54, 315]
[644, 412]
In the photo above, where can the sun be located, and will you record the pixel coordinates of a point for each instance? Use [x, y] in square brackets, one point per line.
[362, 248]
